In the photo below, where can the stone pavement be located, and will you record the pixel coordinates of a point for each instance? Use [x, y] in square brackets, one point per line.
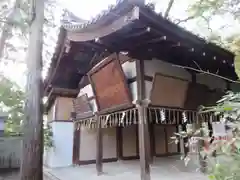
[163, 168]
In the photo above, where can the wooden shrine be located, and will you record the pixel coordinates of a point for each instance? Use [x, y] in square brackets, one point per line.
[134, 84]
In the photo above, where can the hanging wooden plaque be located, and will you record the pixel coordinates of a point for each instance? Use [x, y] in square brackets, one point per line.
[196, 96]
[82, 107]
[109, 83]
[168, 91]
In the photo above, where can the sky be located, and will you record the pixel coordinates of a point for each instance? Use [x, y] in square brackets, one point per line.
[87, 9]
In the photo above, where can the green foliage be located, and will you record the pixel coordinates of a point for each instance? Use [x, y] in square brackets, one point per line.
[12, 102]
[206, 10]
[222, 156]
[48, 137]
[209, 8]
[15, 18]
[228, 151]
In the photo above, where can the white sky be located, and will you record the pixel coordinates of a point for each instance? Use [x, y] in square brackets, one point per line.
[87, 9]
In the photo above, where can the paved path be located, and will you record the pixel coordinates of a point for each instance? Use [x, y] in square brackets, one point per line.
[163, 168]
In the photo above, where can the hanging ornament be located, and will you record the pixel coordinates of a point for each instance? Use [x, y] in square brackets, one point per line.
[184, 117]
[162, 115]
[122, 118]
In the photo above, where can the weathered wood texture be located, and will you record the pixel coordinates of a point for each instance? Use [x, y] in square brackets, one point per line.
[109, 84]
[99, 145]
[168, 91]
[82, 107]
[32, 159]
[198, 94]
[76, 144]
[143, 130]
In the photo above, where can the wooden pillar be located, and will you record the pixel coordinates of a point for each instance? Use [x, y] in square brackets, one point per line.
[99, 147]
[181, 142]
[185, 140]
[119, 140]
[76, 144]
[143, 129]
[202, 160]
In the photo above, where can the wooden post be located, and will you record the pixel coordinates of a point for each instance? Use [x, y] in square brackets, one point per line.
[143, 130]
[181, 142]
[99, 147]
[185, 140]
[143, 149]
[32, 157]
[119, 140]
[202, 160]
[76, 144]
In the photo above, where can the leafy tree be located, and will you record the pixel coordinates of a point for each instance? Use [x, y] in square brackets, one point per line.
[24, 17]
[11, 101]
[210, 8]
[221, 156]
[207, 10]
[48, 137]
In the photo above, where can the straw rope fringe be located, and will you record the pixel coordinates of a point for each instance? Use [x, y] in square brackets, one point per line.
[156, 115]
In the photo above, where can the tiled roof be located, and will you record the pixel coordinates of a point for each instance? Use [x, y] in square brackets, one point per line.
[77, 26]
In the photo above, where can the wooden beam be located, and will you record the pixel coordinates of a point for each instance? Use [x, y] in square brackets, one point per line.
[143, 130]
[99, 149]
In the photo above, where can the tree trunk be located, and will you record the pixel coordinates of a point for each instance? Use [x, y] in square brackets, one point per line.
[32, 159]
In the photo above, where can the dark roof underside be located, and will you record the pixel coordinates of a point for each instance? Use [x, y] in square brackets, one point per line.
[144, 35]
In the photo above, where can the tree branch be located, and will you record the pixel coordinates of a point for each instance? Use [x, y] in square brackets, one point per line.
[179, 21]
[190, 17]
[170, 5]
[205, 72]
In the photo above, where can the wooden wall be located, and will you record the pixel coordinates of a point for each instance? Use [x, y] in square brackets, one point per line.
[61, 109]
[87, 150]
[129, 142]
[163, 143]
[64, 108]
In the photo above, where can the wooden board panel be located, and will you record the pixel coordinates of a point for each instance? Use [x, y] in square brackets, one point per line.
[129, 141]
[196, 96]
[168, 91]
[172, 147]
[160, 140]
[82, 107]
[213, 97]
[109, 84]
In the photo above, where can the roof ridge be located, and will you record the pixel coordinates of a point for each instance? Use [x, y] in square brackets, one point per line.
[70, 17]
[103, 13]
